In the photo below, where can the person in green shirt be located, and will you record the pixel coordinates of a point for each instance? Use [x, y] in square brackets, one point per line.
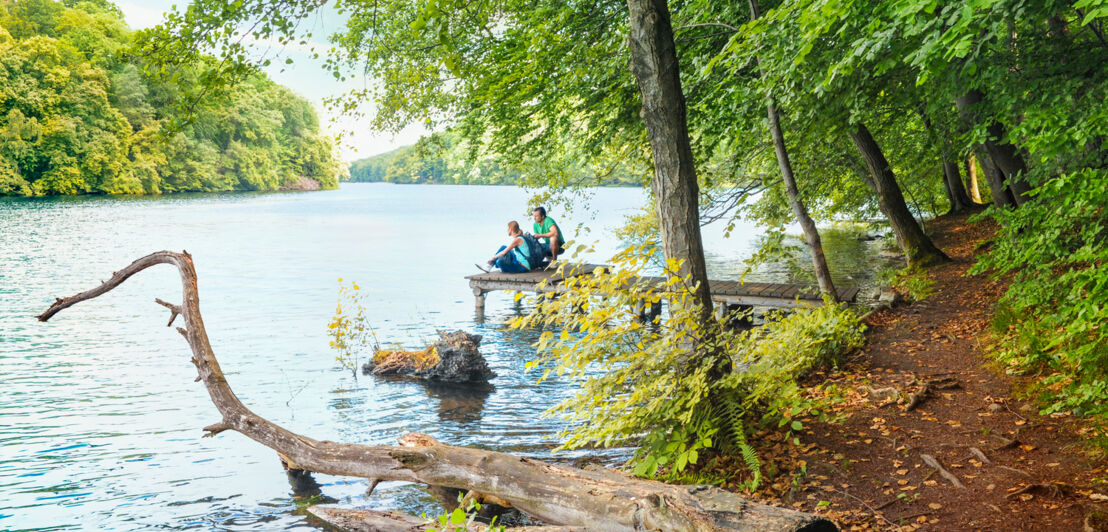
[547, 229]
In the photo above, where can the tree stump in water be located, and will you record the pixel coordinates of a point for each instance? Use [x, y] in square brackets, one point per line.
[454, 357]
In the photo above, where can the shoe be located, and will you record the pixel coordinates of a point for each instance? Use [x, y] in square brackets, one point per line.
[482, 268]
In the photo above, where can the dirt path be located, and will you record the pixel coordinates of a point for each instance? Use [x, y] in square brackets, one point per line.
[1016, 470]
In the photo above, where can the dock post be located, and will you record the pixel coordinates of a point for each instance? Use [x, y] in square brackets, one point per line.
[479, 296]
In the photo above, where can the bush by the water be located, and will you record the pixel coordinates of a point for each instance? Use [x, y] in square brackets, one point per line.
[656, 383]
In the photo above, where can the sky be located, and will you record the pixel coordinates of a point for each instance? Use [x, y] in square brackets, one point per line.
[306, 77]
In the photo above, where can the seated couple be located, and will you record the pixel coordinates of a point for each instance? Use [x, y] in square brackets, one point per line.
[524, 252]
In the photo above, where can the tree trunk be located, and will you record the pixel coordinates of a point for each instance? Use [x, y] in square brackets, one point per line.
[1002, 197]
[656, 69]
[597, 500]
[952, 181]
[971, 179]
[915, 244]
[1004, 154]
[811, 233]
[956, 192]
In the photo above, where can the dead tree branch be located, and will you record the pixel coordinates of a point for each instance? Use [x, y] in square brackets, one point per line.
[556, 494]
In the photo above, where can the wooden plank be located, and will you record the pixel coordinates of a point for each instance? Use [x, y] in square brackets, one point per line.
[776, 290]
[809, 292]
[781, 295]
[849, 293]
[763, 289]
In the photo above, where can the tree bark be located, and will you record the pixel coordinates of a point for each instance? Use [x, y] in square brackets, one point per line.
[952, 181]
[811, 233]
[916, 245]
[971, 179]
[1002, 197]
[1004, 154]
[352, 520]
[656, 69]
[956, 192]
[597, 500]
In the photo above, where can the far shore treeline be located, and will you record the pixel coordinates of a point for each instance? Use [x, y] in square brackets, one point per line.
[78, 115]
[446, 159]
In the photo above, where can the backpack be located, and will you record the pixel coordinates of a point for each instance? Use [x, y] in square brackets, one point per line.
[536, 255]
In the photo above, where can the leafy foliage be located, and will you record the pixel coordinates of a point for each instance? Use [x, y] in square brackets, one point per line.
[461, 518]
[349, 328]
[78, 115]
[658, 383]
[912, 282]
[1051, 321]
[448, 158]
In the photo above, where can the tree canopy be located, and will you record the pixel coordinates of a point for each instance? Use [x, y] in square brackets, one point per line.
[885, 105]
[79, 115]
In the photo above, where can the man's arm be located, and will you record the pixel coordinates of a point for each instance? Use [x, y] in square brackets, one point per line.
[552, 234]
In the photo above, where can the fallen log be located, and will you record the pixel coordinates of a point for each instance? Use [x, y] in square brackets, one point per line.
[559, 495]
[372, 521]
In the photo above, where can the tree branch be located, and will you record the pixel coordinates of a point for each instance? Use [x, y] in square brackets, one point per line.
[556, 494]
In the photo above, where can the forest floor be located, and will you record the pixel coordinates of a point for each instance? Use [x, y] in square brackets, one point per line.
[1003, 466]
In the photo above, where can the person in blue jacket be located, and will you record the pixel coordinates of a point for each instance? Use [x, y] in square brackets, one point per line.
[513, 256]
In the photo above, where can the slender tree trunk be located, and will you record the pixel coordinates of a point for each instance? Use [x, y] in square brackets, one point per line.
[1002, 197]
[1004, 154]
[956, 193]
[952, 181]
[971, 179]
[655, 66]
[811, 233]
[915, 244]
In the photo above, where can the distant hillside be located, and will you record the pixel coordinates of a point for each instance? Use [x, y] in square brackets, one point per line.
[442, 158]
[438, 159]
[79, 115]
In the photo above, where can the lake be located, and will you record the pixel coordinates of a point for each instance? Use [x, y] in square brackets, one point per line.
[100, 420]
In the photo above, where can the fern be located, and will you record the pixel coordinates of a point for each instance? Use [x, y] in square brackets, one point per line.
[750, 457]
[729, 416]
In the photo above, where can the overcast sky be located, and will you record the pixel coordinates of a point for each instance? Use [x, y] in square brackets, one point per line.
[305, 76]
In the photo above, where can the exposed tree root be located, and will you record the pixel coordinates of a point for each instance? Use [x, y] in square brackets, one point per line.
[934, 464]
[942, 383]
[1052, 489]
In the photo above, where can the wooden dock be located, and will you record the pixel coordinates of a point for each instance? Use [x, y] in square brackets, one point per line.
[728, 293]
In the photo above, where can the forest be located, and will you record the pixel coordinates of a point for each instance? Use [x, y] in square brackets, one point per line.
[990, 113]
[79, 114]
[448, 158]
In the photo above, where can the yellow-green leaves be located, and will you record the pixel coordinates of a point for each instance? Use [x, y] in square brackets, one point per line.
[649, 380]
[349, 329]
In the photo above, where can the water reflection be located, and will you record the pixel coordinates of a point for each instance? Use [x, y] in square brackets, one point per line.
[459, 402]
[99, 427]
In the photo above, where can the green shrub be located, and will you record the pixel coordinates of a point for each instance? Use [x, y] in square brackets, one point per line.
[1053, 319]
[913, 282]
[654, 383]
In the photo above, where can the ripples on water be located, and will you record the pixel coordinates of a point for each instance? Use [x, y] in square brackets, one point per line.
[100, 418]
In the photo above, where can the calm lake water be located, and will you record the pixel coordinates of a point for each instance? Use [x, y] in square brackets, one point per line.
[100, 420]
